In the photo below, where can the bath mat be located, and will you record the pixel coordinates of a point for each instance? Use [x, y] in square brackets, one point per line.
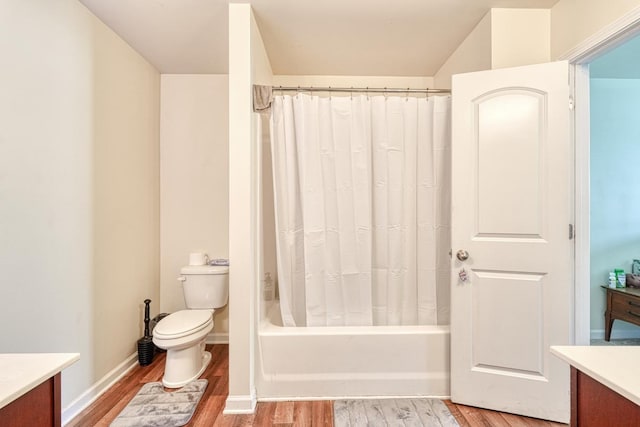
[392, 412]
[154, 407]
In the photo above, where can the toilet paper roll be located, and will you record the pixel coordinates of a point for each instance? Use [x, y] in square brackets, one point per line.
[198, 258]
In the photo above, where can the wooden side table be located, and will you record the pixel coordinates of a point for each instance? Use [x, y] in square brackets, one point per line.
[623, 304]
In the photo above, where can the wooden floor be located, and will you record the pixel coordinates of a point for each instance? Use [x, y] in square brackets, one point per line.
[209, 412]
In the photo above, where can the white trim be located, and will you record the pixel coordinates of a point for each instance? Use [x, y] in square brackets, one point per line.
[604, 40]
[241, 404]
[582, 248]
[609, 37]
[98, 389]
[217, 338]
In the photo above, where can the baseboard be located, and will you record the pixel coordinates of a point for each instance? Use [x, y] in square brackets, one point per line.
[240, 404]
[616, 334]
[218, 338]
[90, 396]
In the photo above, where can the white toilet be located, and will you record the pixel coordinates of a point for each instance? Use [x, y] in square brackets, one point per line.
[182, 334]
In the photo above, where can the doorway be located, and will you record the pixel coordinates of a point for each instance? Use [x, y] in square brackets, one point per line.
[596, 58]
[614, 186]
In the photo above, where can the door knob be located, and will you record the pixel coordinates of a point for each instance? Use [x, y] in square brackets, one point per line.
[462, 255]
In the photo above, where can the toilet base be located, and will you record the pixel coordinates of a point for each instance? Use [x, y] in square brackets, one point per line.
[185, 365]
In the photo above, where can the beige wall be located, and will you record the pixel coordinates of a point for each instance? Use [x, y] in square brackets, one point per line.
[354, 81]
[79, 188]
[519, 37]
[503, 38]
[473, 54]
[573, 21]
[194, 180]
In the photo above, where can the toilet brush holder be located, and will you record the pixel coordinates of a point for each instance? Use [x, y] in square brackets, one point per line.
[146, 349]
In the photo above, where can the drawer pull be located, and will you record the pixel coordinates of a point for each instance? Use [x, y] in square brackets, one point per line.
[635, 304]
[633, 314]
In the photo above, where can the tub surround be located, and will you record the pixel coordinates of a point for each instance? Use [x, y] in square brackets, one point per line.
[23, 379]
[310, 363]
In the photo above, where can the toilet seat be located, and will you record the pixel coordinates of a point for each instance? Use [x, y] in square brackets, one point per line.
[183, 323]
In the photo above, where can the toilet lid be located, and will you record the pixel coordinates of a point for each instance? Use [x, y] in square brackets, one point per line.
[183, 322]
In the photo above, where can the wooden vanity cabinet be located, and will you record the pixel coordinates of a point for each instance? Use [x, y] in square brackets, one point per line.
[595, 405]
[41, 406]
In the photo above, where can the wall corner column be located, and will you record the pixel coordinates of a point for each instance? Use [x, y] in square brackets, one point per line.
[242, 395]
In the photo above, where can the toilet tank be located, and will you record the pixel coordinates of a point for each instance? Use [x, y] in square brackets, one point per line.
[205, 286]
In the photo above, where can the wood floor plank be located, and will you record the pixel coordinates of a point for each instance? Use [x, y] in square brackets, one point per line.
[327, 414]
[153, 372]
[518, 421]
[219, 362]
[284, 413]
[453, 408]
[117, 408]
[223, 420]
[209, 405]
[473, 416]
[243, 420]
[221, 386]
[302, 414]
[264, 413]
[495, 418]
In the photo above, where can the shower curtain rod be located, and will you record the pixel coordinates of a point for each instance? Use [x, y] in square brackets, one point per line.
[357, 89]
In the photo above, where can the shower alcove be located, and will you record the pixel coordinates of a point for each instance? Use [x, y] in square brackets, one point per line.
[309, 362]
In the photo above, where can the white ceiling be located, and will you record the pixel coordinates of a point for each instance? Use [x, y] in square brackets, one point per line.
[317, 37]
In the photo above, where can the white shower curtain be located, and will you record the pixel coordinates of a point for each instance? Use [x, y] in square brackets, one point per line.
[362, 204]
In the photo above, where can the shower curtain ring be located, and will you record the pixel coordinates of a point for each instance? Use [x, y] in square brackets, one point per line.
[406, 95]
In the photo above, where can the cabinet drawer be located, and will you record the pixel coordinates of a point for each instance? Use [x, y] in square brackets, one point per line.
[626, 307]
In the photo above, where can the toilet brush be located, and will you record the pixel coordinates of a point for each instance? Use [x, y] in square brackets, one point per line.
[145, 344]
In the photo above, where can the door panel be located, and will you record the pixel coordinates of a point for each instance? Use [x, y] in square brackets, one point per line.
[511, 211]
[510, 127]
[520, 297]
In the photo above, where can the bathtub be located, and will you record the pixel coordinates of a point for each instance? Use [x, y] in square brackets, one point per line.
[306, 363]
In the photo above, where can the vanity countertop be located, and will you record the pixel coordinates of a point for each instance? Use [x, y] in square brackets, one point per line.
[19, 373]
[616, 367]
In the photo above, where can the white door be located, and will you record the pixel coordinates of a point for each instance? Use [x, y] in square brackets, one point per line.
[511, 210]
